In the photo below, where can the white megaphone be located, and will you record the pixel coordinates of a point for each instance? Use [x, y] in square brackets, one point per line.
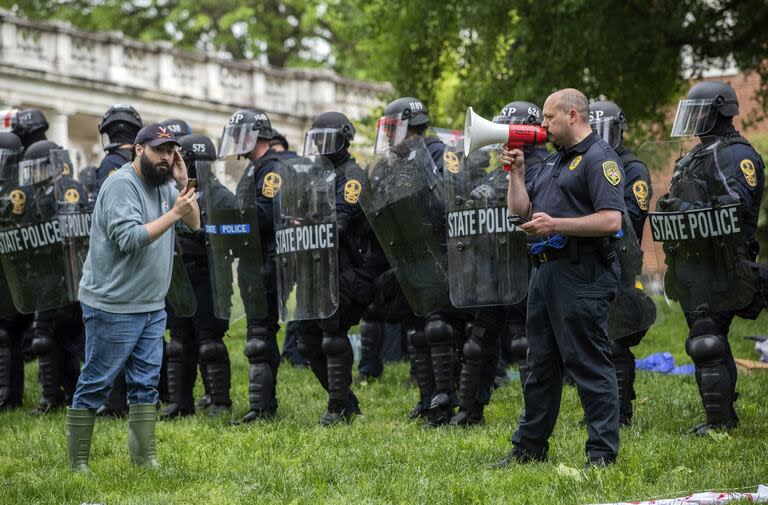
[479, 132]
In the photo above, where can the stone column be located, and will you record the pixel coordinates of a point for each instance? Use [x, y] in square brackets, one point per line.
[58, 129]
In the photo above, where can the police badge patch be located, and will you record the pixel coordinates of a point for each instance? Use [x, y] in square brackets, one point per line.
[451, 162]
[352, 191]
[71, 196]
[272, 183]
[575, 163]
[640, 189]
[18, 198]
[612, 172]
[748, 169]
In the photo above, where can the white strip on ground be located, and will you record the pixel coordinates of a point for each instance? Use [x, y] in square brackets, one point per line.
[710, 498]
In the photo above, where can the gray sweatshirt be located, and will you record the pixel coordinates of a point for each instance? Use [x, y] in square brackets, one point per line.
[125, 273]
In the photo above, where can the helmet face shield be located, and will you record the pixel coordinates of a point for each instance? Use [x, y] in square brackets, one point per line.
[8, 165]
[238, 139]
[44, 169]
[390, 131]
[608, 129]
[694, 117]
[323, 141]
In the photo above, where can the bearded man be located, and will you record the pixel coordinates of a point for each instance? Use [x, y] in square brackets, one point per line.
[125, 280]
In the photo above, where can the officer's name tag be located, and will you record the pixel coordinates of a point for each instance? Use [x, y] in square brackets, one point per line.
[464, 223]
[695, 224]
[45, 234]
[304, 238]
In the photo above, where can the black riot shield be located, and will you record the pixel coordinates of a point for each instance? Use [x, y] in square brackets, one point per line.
[634, 309]
[487, 254]
[6, 301]
[403, 199]
[306, 240]
[699, 228]
[235, 256]
[44, 236]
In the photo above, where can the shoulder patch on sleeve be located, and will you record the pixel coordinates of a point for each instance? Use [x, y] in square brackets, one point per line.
[575, 163]
[612, 172]
[352, 190]
[451, 162]
[748, 169]
[272, 183]
[71, 196]
[640, 190]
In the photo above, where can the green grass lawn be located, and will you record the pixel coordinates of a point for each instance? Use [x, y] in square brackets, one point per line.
[382, 458]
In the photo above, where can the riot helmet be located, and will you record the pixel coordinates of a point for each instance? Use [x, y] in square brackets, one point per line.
[179, 127]
[331, 133]
[519, 113]
[30, 126]
[196, 148]
[119, 126]
[706, 102]
[398, 117]
[10, 155]
[608, 121]
[245, 129]
[43, 161]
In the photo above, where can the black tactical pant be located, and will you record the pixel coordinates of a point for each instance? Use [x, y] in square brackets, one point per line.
[12, 330]
[198, 341]
[480, 357]
[568, 303]
[58, 344]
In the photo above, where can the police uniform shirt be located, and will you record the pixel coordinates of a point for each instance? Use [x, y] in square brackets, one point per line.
[744, 171]
[637, 190]
[533, 161]
[436, 149]
[579, 181]
[110, 164]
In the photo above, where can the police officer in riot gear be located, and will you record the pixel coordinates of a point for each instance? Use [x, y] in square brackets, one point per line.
[12, 324]
[30, 126]
[433, 340]
[722, 168]
[198, 339]
[179, 127]
[514, 342]
[257, 188]
[58, 332]
[325, 342]
[609, 122]
[118, 129]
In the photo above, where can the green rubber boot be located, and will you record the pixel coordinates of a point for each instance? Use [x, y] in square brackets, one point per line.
[141, 434]
[79, 432]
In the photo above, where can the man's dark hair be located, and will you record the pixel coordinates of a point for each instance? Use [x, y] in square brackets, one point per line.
[133, 151]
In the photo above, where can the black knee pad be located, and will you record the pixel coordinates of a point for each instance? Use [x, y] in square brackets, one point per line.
[438, 332]
[372, 328]
[213, 350]
[472, 350]
[417, 339]
[705, 349]
[335, 345]
[175, 349]
[620, 352]
[256, 350]
[42, 345]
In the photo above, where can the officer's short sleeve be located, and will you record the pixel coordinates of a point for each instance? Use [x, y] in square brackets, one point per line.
[605, 181]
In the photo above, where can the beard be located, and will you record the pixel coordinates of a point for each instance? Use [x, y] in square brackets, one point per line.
[156, 174]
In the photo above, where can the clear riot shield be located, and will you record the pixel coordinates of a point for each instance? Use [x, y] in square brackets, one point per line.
[403, 199]
[235, 257]
[306, 240]
[634, 309]
[487, 254]
[181, 296]
[44, 239]
[698, 229]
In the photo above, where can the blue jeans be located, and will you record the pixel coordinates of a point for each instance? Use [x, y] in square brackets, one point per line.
[116, 341]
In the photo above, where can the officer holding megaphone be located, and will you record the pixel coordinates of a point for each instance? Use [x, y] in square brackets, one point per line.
[571, 209]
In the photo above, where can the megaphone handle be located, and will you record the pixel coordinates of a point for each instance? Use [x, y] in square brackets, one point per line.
[507, 168]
